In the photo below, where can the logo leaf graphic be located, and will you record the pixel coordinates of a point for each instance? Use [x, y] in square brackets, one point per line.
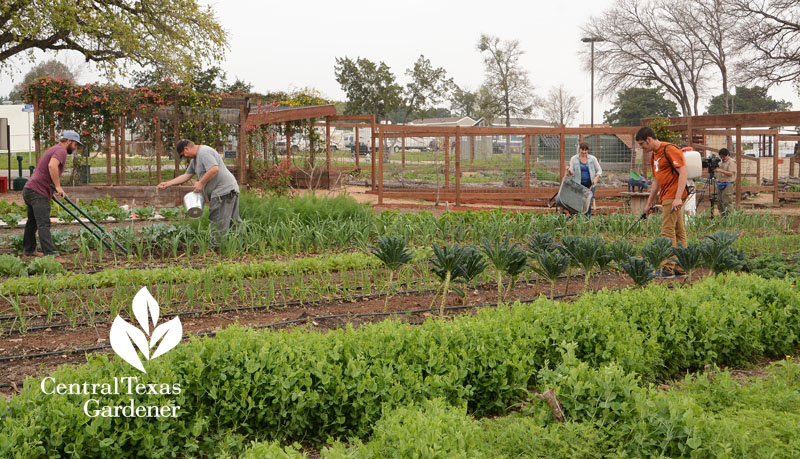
[122, 337]
[172, 332]
[145, 305]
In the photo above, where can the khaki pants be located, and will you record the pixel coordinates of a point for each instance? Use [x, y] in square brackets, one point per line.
[672, 226]
[672, 223]
[727, 199]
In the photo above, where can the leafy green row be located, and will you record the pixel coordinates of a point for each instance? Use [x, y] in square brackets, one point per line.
[152, 276]
[608, 415]
[290, 386]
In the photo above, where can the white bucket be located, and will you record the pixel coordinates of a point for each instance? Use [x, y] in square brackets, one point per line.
[694, 163]
[193, 202]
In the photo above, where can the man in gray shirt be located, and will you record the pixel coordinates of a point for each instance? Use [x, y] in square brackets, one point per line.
[214, 180]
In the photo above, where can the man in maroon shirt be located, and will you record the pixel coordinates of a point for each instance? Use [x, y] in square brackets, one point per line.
[37, 193]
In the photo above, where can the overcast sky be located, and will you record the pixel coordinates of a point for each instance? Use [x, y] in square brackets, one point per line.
[282, 45]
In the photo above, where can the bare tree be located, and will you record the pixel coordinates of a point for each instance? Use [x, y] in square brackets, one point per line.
[771, 29]
[643, 45]
[560, 106]
[712, 24]
[507, 81]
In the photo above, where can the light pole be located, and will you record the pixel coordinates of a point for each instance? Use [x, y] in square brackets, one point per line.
[592, 40]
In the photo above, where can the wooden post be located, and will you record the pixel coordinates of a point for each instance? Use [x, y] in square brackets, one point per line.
[533, 152]
[372, 155]
[645, 164]
[775, 158]
[562, 146]
[403, 159]
[633, 150]
[527, 162]
[122, 148]
[265, 141]
[472, 150]
[597, 146]
[358, 149]
[241, 146]
[175, 133]
[328, 150]
[159, 148]
[380, 165]
[447, 161]
[738, 164]
[36, 142]
[108, 157]
[458, 166]
[116, 154]
[758, 171]
[288, 131]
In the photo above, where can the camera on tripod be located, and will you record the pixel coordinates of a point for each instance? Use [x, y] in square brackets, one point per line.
[711, 164]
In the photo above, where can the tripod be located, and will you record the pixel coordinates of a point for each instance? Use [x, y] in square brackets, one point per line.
[709, 190]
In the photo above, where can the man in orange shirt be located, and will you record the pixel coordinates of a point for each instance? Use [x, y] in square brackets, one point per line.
[669, 177]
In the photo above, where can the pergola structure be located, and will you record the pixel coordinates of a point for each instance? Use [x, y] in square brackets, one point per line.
[285, 115]
[735, 126]
[234, 110]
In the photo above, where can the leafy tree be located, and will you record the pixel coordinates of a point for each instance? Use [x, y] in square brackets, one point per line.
[428, 87]
[633, 104]
[370, 87]
[51, 68]
[239, 86]
[560, 106]
[748, 100]
[171, 34]
[209, 81]
[464, 102]
[507, 81]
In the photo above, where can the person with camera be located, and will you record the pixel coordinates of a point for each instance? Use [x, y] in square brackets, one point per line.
[726, 175]
[669, 186]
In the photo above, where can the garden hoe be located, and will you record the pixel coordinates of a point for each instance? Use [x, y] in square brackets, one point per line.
[88, 228]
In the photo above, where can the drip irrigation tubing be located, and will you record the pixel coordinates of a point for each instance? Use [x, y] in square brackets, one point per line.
[280, 324]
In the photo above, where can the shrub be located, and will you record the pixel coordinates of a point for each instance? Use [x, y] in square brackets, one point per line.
[272, 178]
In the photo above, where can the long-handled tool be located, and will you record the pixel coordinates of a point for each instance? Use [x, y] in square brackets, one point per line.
[642, 217]
[99, 238]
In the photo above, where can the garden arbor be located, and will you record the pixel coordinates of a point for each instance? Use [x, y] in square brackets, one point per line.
[99, 113]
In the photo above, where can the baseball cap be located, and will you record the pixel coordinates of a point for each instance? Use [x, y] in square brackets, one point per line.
[72, 135]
